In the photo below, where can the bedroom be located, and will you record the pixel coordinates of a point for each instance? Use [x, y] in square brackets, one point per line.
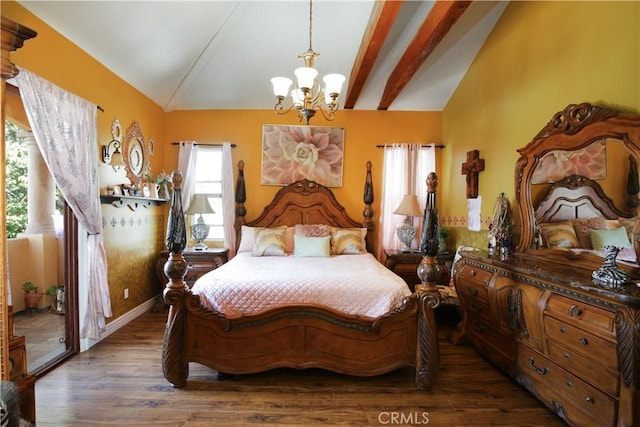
[515, 84]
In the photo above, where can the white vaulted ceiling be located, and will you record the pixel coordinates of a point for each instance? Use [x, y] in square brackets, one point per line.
[188, 55]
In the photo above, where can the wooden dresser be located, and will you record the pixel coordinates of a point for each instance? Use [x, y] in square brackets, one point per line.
[574, 345]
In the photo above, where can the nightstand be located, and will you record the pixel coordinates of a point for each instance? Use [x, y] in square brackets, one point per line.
[199, 263]
[405, 265]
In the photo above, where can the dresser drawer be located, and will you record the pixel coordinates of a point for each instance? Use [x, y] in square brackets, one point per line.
[470, 273]
[485, 331]
[579, 313]
[573, 399]
[587, 345]
[17, 358]
[587, 369]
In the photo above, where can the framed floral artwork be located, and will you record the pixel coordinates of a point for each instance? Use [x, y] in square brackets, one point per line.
[291, 153]
[590, 162]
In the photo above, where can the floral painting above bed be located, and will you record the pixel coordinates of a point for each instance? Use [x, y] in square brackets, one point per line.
[590, 162]
[291, 153]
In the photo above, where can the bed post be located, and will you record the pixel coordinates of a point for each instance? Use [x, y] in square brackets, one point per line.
[240, 197]
[428, 358]
[368, 210]
[174, 366]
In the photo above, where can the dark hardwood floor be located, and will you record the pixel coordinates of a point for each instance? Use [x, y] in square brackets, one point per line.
[119, 382]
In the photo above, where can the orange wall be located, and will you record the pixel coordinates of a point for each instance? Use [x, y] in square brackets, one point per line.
[363, 131]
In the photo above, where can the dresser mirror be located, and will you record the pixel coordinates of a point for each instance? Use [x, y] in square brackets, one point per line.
[577, 166]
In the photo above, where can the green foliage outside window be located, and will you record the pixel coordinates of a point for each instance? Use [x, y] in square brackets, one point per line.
[16, 183]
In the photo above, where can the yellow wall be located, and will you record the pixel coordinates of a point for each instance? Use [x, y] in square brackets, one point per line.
[540, 57]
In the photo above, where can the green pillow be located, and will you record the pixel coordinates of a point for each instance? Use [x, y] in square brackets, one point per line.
[613, 237]
[311, 246]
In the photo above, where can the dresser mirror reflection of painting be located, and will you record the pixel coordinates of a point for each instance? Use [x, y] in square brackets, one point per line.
[291, 153]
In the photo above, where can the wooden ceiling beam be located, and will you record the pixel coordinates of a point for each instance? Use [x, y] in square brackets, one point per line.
[443, 15]
[382, 17]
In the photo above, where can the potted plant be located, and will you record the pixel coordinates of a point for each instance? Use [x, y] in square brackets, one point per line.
[31, 296]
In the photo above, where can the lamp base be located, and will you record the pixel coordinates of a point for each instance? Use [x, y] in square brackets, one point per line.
[406, 232]
[199, 232]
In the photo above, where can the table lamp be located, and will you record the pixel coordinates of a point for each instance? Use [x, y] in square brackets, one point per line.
[406, 232]
[199, 230]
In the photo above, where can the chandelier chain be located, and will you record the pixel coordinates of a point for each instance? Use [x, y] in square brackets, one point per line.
[310, 22]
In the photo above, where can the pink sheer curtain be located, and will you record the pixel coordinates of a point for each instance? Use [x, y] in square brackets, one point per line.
[228, 200]
[64, 127]
[404, 171]
[187, 167]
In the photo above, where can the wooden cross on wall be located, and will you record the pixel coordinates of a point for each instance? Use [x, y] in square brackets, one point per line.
[471, 168]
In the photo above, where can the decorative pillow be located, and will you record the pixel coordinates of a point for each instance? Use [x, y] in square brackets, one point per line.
[311, 246]
[559, 234]
[583, 225]
[270, 242]
[348, 241]
[614, 237]
[312, 230]
[628, 224]
[247, 238]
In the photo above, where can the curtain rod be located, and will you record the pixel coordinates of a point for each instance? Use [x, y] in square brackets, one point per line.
[16, 91]
[206, 144]
[423, 146]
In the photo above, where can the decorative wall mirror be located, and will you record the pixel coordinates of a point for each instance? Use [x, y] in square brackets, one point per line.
[579, 130]
[136, 155]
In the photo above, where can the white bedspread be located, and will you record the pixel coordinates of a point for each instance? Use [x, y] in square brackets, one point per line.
[352, 284]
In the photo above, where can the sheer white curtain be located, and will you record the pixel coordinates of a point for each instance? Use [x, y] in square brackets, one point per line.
[64, 127]
[404, 171]
[228, 200]
[187, 167]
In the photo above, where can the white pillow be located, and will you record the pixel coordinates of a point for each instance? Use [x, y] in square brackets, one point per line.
[305, 246]
[247, 238]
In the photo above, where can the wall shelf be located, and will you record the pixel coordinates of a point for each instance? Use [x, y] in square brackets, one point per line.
[132, 202]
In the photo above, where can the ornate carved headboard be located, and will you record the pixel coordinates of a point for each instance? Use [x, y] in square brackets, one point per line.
[576, 197]
[305, 202]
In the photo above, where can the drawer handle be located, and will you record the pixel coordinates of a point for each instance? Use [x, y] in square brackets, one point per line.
[569, 383]
[567, 356]
[584, 341]
[563, 329]
[574, 311]
[473, 273]
[541, 371]
[472, 291]
[590, 399]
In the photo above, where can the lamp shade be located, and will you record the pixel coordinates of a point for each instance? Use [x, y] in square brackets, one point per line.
[306, 76]
[116, 158]
[281, 86]
[409, 206]
[200, 205]
[333, 83]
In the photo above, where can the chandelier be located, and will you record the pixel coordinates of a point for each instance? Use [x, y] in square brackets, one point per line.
[307, 95]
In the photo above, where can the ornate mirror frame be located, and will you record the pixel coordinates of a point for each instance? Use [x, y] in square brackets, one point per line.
[575, 127]
[135, 154]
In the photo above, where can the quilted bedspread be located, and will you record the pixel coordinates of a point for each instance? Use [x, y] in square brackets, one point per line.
[351, 284]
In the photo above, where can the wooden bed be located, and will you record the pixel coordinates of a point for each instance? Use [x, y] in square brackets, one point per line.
[294, 336]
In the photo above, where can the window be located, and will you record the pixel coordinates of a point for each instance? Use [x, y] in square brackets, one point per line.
[208, 180]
